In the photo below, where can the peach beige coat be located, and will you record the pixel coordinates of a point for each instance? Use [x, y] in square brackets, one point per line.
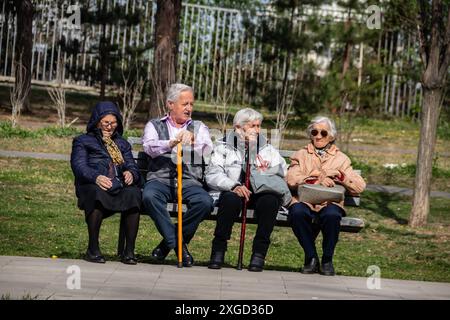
[306, 160]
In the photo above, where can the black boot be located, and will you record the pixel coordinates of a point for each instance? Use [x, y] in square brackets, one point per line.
[327, 269]
[96, 258]
[311, 266]
[216, 260]
[188, 260]
[256, 262]
[161, 251]
[129, 258]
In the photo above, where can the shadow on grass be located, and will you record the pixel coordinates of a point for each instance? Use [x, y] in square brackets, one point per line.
[378, 203]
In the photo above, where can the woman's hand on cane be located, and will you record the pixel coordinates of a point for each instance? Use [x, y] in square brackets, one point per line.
[242, 192]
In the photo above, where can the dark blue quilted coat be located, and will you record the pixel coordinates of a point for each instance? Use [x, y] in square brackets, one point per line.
[89, 157]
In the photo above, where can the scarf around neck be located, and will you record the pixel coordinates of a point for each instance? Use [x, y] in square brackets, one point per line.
[322, 151]
[113, 151]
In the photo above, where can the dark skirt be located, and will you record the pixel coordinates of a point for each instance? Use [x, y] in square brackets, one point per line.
[91, 197]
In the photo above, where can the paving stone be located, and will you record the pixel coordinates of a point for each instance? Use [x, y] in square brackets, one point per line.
[375, 293]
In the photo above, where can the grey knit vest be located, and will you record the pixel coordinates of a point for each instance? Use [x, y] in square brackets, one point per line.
[163, 168]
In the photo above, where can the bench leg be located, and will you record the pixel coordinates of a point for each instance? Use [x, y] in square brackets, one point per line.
[121, 241]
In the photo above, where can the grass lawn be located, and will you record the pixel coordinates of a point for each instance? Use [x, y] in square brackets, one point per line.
[39, 217]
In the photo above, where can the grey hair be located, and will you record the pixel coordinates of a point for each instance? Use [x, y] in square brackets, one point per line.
[175, 90]
[322, 119]
[246, 115]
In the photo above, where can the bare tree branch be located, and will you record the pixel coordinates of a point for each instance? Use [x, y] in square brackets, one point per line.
[130, 93]
[58, 95]
[19, 92]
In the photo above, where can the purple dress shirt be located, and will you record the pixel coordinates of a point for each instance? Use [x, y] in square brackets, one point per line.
[154, 147]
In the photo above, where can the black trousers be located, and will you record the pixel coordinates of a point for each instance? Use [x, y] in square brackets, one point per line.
[306, 231]
[266, 207]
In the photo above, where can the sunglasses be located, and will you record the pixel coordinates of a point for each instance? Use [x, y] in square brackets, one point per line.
[323, 133]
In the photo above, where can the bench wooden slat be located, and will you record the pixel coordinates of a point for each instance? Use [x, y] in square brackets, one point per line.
[348, 224]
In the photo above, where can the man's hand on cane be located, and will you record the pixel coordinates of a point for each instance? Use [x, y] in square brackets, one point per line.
[185, 137]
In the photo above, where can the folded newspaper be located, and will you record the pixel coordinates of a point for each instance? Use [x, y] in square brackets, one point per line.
[317, 194]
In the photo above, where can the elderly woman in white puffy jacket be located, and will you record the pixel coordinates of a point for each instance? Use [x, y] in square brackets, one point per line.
[226, 173]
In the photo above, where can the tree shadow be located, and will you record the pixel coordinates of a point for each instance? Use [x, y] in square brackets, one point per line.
[378, 203]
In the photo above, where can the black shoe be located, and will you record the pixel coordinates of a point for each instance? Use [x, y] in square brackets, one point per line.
[161, 251]
[128, 259]
[327, 269]
[256, 263]
[311, 266]
[94, 258]
[188, 260]
[216, 260]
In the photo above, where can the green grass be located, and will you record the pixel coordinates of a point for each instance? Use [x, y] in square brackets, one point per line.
[402, 175]
[39, 217]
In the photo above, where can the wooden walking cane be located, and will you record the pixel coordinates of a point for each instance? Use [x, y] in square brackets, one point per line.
[180, 204]
[244, 208]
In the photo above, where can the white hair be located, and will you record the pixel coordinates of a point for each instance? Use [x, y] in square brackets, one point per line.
[246, 115]
[175, 90]
[322, 119]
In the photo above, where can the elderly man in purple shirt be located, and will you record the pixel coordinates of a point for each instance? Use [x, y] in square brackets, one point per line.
[161, 136]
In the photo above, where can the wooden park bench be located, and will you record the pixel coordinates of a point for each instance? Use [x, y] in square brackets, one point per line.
[348, 224]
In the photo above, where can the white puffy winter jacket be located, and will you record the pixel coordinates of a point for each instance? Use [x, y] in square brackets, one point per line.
[227, 160]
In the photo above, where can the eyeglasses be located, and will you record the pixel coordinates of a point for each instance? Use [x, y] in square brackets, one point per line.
[323, 133]
[108, 123]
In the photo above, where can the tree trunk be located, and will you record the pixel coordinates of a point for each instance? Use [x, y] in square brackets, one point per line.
[435, 54]
[167, 27]
[430, 117]
[24, 44]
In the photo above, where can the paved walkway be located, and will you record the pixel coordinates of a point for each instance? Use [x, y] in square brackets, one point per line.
[404, 191]
[45, 278]
[34, 155]
[57, 156]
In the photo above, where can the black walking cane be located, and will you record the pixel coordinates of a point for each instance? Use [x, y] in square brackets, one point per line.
[244, 207]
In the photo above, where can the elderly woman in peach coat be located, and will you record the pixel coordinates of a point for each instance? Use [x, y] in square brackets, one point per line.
[320, 162]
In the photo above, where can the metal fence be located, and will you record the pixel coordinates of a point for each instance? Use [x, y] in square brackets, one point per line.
[216, 56]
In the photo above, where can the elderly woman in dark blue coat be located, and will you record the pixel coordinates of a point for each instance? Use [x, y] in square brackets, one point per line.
[106, 178]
